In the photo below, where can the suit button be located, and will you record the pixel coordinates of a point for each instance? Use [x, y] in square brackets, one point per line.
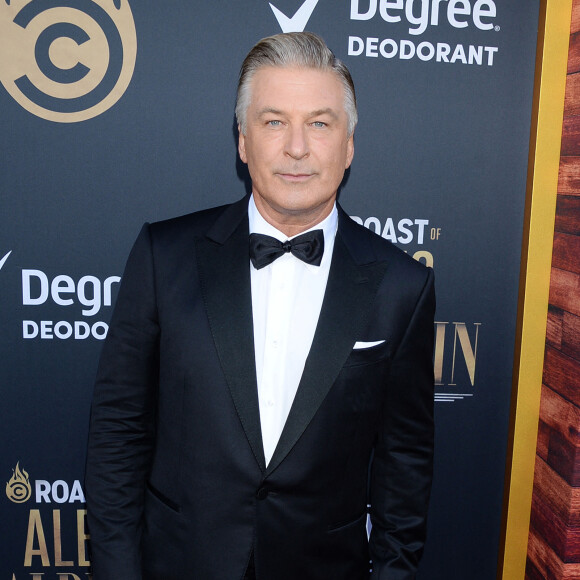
[262, 493]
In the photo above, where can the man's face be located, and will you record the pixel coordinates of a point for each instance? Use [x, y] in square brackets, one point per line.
[296, 144]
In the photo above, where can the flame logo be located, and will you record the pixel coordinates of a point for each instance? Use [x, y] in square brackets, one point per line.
[18, 488]
[66, 60]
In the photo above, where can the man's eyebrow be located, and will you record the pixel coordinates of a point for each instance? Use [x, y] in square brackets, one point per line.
[315, 113]
[267, 110]
[327, 111]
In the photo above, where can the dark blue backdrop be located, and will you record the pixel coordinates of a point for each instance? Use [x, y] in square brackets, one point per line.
[440, 167]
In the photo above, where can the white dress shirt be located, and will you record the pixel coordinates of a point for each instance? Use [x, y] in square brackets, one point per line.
[286, 301]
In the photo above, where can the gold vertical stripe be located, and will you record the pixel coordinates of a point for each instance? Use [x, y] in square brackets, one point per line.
[545, 140]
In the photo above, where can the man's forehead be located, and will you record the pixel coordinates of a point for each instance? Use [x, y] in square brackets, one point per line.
[281, 73]
[276, 84]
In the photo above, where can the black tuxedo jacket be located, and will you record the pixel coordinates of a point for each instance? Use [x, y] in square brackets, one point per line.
[177, 486]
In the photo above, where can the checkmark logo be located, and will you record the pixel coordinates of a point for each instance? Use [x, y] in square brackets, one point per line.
[299, 21]
[3, 260]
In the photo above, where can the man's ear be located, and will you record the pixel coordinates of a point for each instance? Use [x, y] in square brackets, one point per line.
[349, 151]
[242, 145]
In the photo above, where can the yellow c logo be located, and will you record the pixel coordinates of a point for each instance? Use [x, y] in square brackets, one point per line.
[66, 60]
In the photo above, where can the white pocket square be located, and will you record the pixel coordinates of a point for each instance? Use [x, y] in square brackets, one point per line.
[362, 344]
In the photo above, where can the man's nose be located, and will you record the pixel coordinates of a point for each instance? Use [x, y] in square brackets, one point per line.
[296, 145]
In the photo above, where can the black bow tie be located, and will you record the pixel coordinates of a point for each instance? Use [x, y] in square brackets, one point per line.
[308, 247]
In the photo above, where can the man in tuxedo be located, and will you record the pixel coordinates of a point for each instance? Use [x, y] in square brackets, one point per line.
[267, 375]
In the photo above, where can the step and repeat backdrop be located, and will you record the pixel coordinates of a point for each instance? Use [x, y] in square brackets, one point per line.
[116, 112]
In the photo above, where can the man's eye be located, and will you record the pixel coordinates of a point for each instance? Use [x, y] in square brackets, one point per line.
[274, 123]
[319, 124]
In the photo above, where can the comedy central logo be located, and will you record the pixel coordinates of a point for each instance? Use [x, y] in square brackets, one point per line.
[298, 22]
[66, 60]
[18, 488]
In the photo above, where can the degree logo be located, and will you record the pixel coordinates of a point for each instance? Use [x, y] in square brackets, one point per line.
[300, 19]
[66, 60]
[3, 260]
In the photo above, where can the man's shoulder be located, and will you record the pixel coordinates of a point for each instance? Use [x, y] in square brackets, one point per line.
[371, 244]
[193, 225]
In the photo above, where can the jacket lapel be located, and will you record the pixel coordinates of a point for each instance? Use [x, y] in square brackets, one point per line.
[352, 284]
[224, 271]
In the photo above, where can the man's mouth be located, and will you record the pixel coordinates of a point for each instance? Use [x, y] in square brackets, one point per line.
[295, 177]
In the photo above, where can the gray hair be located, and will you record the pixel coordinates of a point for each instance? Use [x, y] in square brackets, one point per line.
[300, 49]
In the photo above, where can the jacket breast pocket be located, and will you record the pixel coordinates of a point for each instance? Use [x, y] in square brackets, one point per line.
[370, 355]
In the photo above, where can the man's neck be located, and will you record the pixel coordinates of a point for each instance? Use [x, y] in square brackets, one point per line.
[291, 223]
